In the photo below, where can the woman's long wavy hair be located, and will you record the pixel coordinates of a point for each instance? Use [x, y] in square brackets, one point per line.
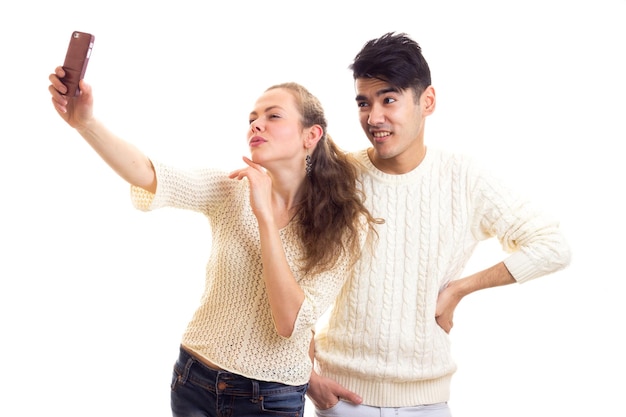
[331, 214]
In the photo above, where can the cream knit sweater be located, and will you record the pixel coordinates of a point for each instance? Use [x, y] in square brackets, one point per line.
[381, 340]
[232, 327]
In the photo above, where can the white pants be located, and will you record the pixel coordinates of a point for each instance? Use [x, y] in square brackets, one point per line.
[347, 409]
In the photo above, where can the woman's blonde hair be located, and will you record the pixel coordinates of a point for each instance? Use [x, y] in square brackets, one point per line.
[331, 214]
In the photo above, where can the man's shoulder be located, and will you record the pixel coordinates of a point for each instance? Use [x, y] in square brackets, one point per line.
[446, 158]
[448, 154]
[359, 153]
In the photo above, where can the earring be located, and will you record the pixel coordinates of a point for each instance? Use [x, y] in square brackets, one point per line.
[308, 166]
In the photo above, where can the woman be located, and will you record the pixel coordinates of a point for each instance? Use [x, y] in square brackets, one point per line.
[286, 229]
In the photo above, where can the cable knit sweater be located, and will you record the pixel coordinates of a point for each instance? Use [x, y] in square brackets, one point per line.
[233, 327]
[381, 340]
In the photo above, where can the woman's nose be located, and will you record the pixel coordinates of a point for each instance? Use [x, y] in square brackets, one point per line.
[255, 126]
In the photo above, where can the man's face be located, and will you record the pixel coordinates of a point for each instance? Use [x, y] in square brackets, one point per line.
[393, 121]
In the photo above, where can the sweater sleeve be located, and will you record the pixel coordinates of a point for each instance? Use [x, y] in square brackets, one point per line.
[192, 189]
[534, 241]
[321, 290]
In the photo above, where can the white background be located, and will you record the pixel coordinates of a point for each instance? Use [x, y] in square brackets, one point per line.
[94, 295]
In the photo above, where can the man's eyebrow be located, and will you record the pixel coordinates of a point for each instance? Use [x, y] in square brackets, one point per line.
[379, 93]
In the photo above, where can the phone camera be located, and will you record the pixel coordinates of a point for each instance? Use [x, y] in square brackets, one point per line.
[76, 35]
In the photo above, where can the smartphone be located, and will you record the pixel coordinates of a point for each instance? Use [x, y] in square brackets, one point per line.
[76, 60]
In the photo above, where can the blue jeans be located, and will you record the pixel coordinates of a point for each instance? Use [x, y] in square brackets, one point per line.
[200, 391]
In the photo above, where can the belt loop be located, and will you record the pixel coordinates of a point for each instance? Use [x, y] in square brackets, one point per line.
[185, 375]
[255, 392]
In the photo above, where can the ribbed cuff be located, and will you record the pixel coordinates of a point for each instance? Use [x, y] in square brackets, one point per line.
[521, 267]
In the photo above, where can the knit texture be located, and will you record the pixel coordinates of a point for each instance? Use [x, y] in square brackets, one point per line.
[233, 326]
[381, 340]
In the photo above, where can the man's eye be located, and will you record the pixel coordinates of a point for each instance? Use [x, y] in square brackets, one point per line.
[361, 104]
[389, 100]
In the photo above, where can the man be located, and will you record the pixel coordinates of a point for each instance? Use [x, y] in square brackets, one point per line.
[386, 343]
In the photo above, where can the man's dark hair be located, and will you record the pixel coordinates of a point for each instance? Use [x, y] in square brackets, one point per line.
[394, 58]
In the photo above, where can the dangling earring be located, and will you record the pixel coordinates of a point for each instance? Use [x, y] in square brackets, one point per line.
[308, 166]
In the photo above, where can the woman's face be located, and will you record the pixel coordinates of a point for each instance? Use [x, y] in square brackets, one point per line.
[275, 133]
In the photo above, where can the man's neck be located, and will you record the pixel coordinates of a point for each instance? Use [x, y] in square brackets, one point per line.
[400, 164]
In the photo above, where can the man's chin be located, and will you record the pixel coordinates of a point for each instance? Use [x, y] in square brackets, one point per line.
[384, 151]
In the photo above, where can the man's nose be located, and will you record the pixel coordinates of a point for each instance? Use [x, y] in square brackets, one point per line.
[376, 116]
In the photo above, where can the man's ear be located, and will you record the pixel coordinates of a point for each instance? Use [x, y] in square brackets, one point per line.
[428, 101]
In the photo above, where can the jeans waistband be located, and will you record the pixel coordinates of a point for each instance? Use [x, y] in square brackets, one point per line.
[188, 367]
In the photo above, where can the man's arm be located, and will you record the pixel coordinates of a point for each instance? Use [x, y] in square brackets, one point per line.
[325, 393]
[496, 276]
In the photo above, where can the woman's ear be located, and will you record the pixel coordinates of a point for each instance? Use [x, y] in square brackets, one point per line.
[315, 133]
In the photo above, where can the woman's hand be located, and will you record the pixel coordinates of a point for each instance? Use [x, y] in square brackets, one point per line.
[260, 188]
[76, 111]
